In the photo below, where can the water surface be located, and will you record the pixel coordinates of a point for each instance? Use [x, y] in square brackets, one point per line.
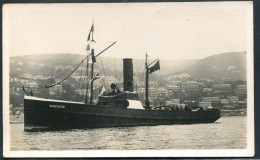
[226, 133]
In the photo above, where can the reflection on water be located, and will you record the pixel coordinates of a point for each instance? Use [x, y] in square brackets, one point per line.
[226, 133]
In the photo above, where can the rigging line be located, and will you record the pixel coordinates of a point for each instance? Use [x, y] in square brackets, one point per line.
[80, 75]
[103, 50]
[153, 62]
[95, 56]
[61, 61]
[41, 84]
[101, 62]
[105, 41]
[44, 84]
[74, 69]
[83, 83]
[138, 68]
[68, 70]
[142, 77]
[152, 57]
[135, 74]
[97, 67]
[105, 78]
[120, 78]
[25, 91]
[140, 65]
[104, 82]
[48, 86]
[69, 61]
[106, 49]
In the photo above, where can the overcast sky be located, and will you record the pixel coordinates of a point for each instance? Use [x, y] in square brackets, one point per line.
[164, 30]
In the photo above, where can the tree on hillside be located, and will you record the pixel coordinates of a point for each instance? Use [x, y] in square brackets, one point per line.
[69, 91]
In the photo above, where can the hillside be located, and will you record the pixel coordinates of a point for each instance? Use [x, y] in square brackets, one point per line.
[230, 65]
[31, 63]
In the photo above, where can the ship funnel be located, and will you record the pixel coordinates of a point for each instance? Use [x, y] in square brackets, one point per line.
[128, 74]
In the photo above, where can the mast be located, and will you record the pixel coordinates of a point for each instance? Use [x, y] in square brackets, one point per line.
[92, 76]
[90, 47]
[93, 57]
[147, 103]
[92, 66]
[86, 98]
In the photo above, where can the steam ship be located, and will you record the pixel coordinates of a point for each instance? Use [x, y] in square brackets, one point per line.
[114, 109]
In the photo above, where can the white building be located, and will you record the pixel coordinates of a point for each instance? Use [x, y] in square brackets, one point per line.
[81, 91]
[241, 90]
[153, 84]
[205, 105]
[224, 101]
[176, 101]
[29, 76]
[174, 88]
[177, 83]
[153, 92]
[207, 89]
[191, 86]
[233, 99]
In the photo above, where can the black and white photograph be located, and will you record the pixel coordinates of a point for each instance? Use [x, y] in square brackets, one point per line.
[161, 79]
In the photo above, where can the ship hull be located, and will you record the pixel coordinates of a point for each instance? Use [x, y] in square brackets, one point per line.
[56, 115]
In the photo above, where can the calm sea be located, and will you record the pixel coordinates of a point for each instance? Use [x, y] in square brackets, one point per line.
[226, 133]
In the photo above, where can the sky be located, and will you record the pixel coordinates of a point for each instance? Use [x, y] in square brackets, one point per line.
[165, 30]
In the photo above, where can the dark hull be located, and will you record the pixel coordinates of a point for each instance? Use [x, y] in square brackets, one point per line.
[50, 115]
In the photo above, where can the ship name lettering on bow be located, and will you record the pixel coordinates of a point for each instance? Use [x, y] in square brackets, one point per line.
[57, 106]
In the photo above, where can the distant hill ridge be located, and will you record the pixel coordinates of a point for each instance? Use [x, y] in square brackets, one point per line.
[167, 66]
[231, 64]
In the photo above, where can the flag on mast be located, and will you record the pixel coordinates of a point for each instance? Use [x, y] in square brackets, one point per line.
[91, 44]
[154, 68]
[88, 47]
[91, 32]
